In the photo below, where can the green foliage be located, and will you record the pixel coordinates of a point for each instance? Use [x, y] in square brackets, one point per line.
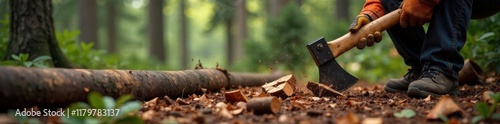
[82, 55]
[483, 39]
[22, 60]
[405, 113]
[126, 110]
[487, 112]
[285, 34]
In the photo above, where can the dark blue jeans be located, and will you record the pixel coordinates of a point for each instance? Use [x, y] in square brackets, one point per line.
[439, 47]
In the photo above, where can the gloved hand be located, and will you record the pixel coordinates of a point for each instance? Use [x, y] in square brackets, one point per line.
[416, 12]
[370, 39]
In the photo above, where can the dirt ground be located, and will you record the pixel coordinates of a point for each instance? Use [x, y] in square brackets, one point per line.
[364, 103]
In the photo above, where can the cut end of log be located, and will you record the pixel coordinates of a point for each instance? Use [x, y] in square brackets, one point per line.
[264, 105]
[282, 87]
[235, 96]
[322, 90]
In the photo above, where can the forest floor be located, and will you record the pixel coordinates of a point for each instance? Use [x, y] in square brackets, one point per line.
[363, 103]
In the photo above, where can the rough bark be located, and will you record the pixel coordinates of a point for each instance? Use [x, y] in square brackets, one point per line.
[56, 87]
[87, 21]
[111, 23]
[155, 30]
[184, 40]
[32, 32]
[264, 105]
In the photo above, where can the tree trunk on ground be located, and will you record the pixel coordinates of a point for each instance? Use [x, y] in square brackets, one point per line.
[111, 23]
[155, 26]
[55, 87]
[184, 40]
[229, 45]
[87, 21]
[32, 32]
[241, 28]
[342, 10]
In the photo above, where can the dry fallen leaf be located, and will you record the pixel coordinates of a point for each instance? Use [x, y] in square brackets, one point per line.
[333, 105]
[486, 97]
[350, 118]
[148, 115]
[445, 106]
[225, 113]
[236, 111]
[378, 120]
[203, 98]
[221, 105]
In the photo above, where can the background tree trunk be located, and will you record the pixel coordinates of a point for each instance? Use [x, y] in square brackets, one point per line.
[229, 45]
[342, 10]
[32, 32]
[87, 21]
[155, 30]
[184, 40]
[241, 28]
[111, 23]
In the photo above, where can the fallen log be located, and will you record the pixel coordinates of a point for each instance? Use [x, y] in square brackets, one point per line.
[56, 87]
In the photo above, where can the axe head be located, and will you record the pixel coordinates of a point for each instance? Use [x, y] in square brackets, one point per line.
[330, 72]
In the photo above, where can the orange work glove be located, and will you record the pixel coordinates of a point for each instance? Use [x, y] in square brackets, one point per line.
[370, 39]
[371, 10]
[416, 12]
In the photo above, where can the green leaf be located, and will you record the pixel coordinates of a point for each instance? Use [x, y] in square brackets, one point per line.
[24, 57]
[496, 116]
[109, 102]
[95, 100]
[27, 64]
[486, 35]
[495, 96]
[122, 100]
[406, 113]
[443, 118]
[91, 120]
[128, 107]
[8, 62]
[41, 59]
[15, 57]
[130, 120]
[72, 120]
[476, 119]
[483, 109]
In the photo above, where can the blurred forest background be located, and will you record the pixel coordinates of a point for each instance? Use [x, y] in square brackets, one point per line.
[240, 35]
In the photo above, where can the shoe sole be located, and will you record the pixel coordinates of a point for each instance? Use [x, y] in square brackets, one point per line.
[391, 90]
[416, 93]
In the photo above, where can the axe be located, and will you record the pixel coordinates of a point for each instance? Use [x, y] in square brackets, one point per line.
[324, 53]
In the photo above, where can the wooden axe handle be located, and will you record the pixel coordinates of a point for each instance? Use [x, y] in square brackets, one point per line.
[350, 40]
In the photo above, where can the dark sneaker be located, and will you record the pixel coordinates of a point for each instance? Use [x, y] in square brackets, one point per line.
[432, 82]
[401, 85]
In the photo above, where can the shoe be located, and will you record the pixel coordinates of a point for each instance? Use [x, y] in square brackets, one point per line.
[433, 82]
[401, 85]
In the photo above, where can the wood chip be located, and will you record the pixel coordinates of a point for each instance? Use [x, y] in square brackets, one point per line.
[350, 118]
[235, 96]
[322, 90]
[282, 87]
[378, 120]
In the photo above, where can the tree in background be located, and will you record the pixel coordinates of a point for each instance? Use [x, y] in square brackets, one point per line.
[155, 30]
[87, 21]
[32, 32]
[224, 14]
[111, 24]
[286, 34]
[184, 31]
[240, 29]
[342, 10]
